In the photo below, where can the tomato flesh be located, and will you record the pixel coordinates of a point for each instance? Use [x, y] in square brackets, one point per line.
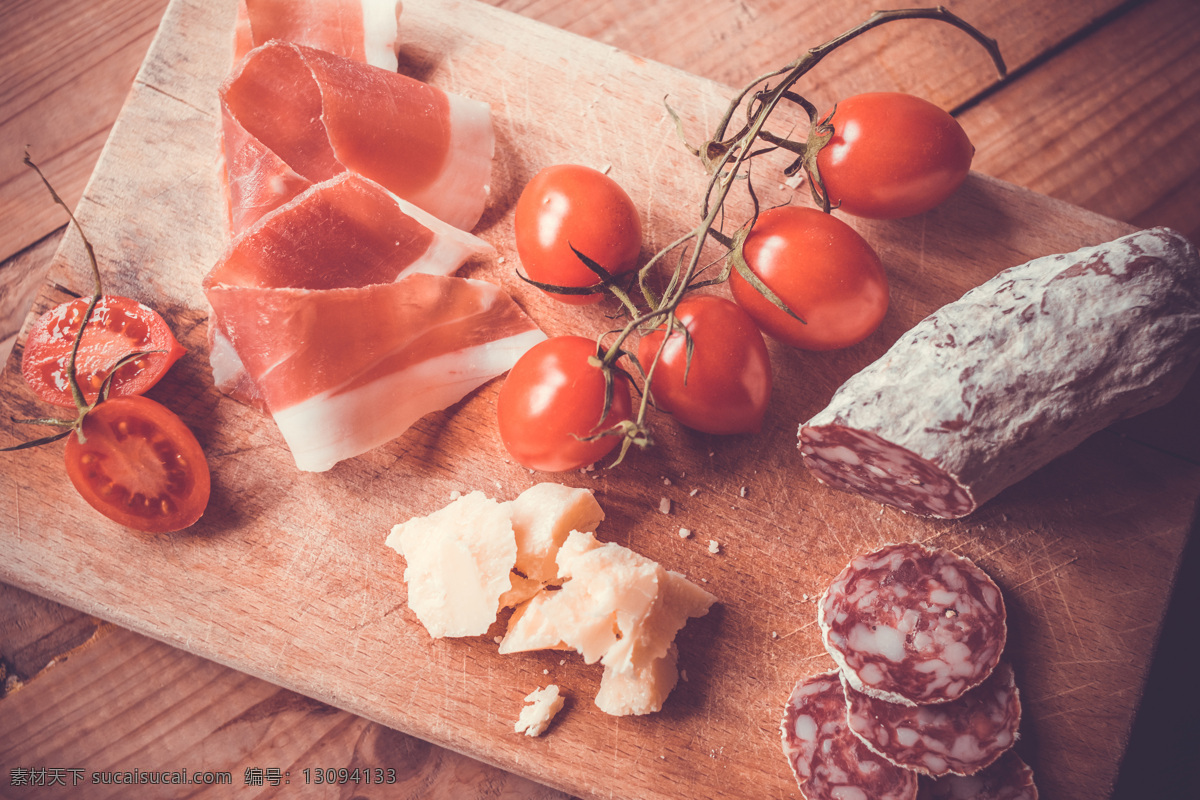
[892, 155]
[726, 386]
[567, 206]
[139, 465]
[821, 269]
[118, 327]
[551, 399]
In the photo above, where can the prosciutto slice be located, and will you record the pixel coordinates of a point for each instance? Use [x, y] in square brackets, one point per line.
[345, 232]
[363, 30]
[293, 115]
[345, 370]
[336, 314]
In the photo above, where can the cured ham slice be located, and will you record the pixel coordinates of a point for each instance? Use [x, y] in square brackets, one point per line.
[293, 115]
[347, 231]
[362, 30]
[344, 232]
[345, 370]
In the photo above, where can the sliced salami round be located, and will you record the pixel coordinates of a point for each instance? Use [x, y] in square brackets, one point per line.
[912, 625]
[960, 737]
[1009, 778]
[830, 762]
[989, 388]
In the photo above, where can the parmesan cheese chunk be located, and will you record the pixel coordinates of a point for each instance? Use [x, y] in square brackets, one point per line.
[459, 561]
[535, 718]
[542, 516]
[617, 607]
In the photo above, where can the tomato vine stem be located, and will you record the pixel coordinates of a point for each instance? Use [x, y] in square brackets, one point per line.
[727, 158]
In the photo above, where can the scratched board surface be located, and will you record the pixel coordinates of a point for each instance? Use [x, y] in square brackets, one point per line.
[287, 577]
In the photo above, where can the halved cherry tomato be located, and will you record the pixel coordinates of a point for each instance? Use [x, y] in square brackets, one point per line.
[118, 327]
[892, 155]
[139, 465]
[821, 269]
[727, 385]
[551, 399]
[567, 206]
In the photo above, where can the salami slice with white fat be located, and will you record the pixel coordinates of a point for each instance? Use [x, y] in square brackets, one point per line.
[1009, 778]
[1018, 371]
[913, 625]
[829, 762]
[960, 737]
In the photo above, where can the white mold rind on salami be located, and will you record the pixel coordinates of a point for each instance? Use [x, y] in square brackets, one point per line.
[1009, 778]
[960, 737]
[988, 389]
[828, 761]
[913, 625]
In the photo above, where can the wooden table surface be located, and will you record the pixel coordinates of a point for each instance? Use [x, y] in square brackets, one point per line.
[1100, 110]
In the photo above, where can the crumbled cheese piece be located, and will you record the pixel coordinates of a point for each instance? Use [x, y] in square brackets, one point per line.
[666, 481]
[617, 607]
[693, 492]
[774, 634]
[461, 558]
[664, 505]
[455, 494]
[742, 492]
[714, 546]
[536, 717]
[458, 563]
[684, 533]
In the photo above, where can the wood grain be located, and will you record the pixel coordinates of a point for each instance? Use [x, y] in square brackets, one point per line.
[1050, 130]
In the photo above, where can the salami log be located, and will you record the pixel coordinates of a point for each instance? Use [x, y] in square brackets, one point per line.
[1009, 778]
[913, 625]
[829, 762]
[989, 388]
[960, 737]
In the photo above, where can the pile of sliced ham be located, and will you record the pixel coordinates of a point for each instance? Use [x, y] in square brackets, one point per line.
[351, 190]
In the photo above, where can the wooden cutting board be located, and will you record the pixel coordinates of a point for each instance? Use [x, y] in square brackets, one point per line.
[287, 577]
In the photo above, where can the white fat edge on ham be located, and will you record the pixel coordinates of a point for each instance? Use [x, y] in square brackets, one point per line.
[458, 196]
[341, 423]
[378, 35]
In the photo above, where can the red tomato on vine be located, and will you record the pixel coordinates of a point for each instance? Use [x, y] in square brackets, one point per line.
[892, 155]
[570, 206]
[552, 402]
[726, 384]
[822, 270]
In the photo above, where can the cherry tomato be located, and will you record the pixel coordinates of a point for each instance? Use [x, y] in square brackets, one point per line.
[892, 155]
[727, 385]
[569, 206]
[552, 396]
[118, 327]
[140, 465]
[821, 269]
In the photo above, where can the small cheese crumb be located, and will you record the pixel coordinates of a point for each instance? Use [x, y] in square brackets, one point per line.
[545, 672]
[535, 718]
[804, 597]
[455, 494]
[714, 546]
[497, 639]
[693, 492]
[666, 481]
[664, 505]
[684, 533]
[742, 492]
[500, 260]
[774, 634]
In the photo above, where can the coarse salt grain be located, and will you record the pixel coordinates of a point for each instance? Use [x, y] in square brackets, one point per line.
[664, 505]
